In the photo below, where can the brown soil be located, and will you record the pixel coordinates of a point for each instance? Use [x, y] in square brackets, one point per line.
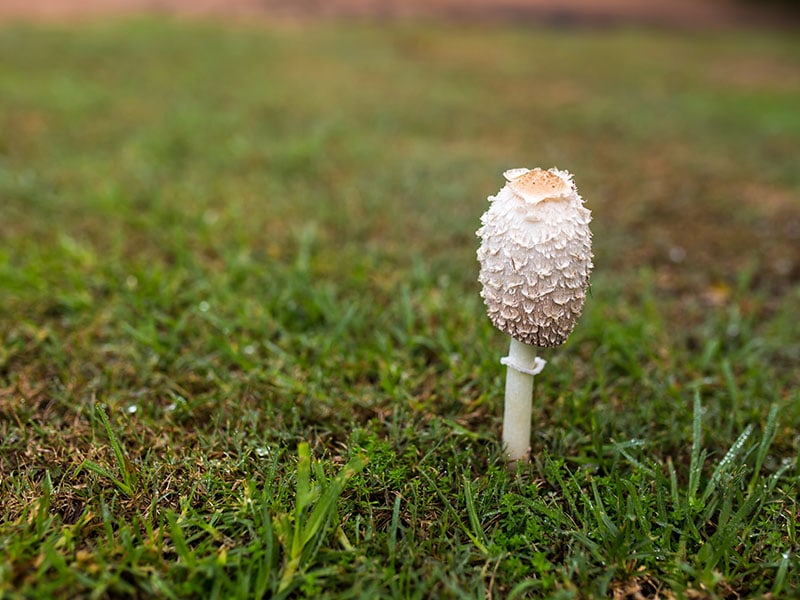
[682, 13]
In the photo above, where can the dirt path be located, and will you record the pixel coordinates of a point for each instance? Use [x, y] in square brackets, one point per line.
[681, 13]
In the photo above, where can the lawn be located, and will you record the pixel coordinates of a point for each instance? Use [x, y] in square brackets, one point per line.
[242, 350]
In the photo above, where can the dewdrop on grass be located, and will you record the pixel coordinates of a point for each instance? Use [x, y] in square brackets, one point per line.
[535, 259]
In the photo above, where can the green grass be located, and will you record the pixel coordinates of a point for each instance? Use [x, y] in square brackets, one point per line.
[242, 351]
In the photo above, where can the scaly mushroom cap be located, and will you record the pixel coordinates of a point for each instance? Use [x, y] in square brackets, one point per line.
[535, 256]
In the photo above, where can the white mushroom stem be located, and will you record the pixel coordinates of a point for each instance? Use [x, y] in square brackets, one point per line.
[522, 364]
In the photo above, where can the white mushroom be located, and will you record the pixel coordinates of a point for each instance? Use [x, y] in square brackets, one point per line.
[535, 256]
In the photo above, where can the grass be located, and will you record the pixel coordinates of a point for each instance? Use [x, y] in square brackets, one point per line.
[242, 352]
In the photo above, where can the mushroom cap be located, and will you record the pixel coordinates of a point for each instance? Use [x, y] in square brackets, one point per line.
[535, 256]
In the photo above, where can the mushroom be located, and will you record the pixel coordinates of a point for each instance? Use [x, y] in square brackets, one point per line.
[535, 258]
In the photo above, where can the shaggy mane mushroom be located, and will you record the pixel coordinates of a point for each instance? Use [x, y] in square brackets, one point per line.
[535, 259]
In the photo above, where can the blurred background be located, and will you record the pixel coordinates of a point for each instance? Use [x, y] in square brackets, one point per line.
[684, 138]
[702, 13]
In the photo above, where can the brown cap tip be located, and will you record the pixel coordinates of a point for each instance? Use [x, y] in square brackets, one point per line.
[538, 184]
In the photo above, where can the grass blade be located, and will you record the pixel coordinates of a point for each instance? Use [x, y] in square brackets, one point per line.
[454, 513]
[697, 459]
[770, 430]
[123, 464]
[303, 533]
[477, 528]
[393, 528]
[726, 462]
